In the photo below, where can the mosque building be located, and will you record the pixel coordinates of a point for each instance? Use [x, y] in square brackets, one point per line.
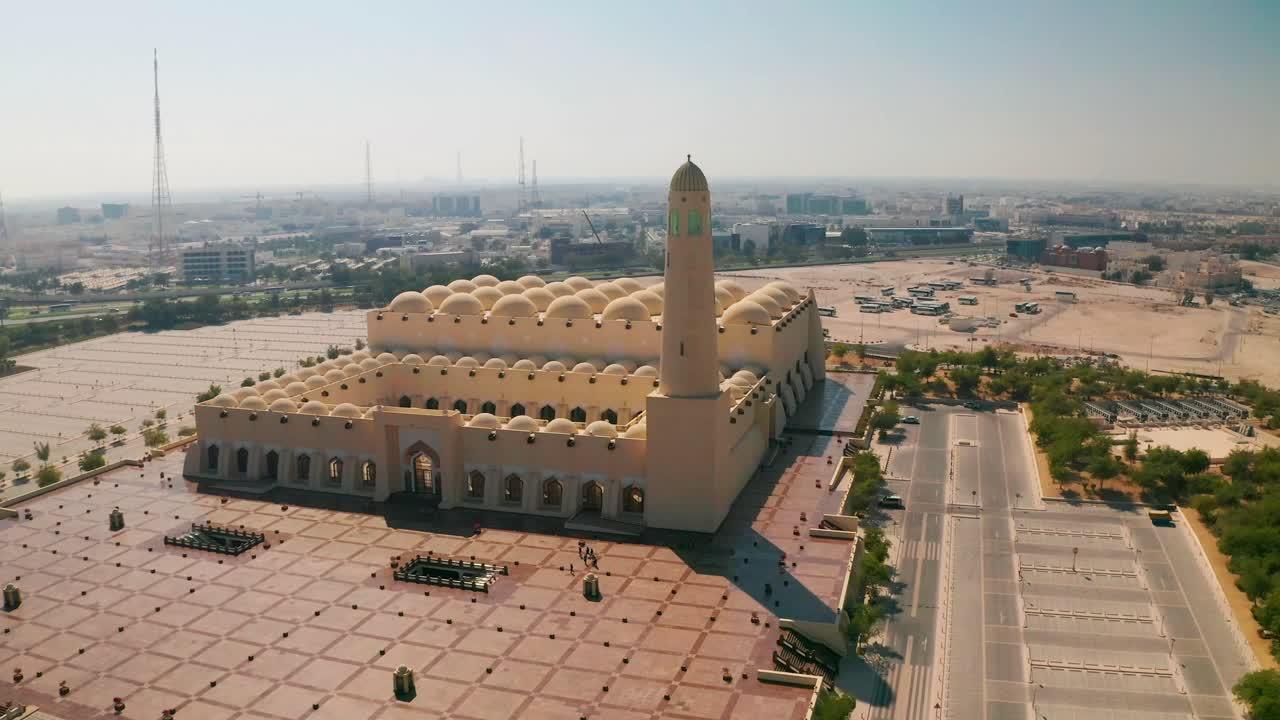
[647, 405]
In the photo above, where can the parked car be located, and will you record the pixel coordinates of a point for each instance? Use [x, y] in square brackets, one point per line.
[892, 501]
[911, 420]
[973, 405]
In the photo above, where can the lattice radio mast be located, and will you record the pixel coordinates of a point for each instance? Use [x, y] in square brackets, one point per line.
[535, 198]
[524, 200]
[161, 201]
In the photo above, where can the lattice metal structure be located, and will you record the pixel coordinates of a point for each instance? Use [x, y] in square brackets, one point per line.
[161, 201]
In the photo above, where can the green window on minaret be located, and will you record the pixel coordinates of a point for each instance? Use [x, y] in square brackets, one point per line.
[674, 229]
[695, 222]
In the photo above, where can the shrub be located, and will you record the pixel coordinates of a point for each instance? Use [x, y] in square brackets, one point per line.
[213, 392]
[833, 705]
[20, 466]
[48, 475]
[154, 437]
[247, 382]
[187, 431]
[92, 461]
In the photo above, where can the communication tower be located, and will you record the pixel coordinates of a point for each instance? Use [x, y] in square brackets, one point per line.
[535, 199]
[161, 201]
[524, 200]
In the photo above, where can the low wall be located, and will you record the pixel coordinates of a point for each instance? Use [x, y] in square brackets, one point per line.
[67, 481]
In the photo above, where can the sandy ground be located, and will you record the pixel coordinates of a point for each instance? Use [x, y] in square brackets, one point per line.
[1144, 326]
[1264, 276]
[1218, 442]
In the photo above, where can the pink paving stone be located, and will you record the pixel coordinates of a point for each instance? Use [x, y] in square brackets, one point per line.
[460, 666]
[323, 591]
[670, 640]
[188, 678]
[653, 665]
[227, 653]
[238, 690]
[517, 675]
[491, 704]
[635, 694]
[341, 617]
[701, 702]
[435, 693]
[287, 701]
[576, 684]
[489, 642]
[275, 664]
[324, 674]
[403, 711]
[309, 640]
[207, 711]
[541, 649]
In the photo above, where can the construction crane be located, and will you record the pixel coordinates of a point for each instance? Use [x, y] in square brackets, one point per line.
[592, 226]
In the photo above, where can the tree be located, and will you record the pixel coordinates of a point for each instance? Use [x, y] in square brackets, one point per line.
[860, 349]
[1104, 467]
[1208, 297]
[1131, 447]
[264, 376]
[853, 236]
[886, 418]
[161, 415]
[278, 372]
[359, 344]
[186, 431]
[966, 380]
[92, 460]
[833, 705]
[42, 451]
[1260, 692]
[154, 437]
[213, 392]
[332, 352]
[839, 350]
[96, 433]
[48, 475]
[247, 382]
[21, 466]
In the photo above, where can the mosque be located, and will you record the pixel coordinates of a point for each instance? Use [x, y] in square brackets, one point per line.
[646, 405]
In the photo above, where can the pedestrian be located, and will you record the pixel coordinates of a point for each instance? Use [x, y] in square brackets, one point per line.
[571, 572]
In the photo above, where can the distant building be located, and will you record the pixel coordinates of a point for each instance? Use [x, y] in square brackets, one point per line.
[349, 249]
[1082, 258]
[825, 204]
[1081, 240]
[225, 262]
[803, 234]
[724, 241]
[588, 254]
[456, 205]
[415, 261]
[757, 237]
[115, 211]
[1025, 249]
[850, 205]
[991, 224]
[68, 215]
[911, 236]
[953, 205]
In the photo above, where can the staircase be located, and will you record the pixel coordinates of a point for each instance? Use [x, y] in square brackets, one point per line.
[797, 654]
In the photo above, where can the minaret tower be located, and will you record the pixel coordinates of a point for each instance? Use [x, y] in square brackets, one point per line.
[689, 358]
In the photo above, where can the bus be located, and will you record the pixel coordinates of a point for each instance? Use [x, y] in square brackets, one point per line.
[968, 299]
[60, 307]
[863, 299]
[920, 292]
[928, 310]
[869, 307]
[1030, 308]
[827, 311]
[886, 291]
[937, 285]
[901, 302]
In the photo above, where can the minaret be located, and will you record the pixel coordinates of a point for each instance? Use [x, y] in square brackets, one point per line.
[689, 358]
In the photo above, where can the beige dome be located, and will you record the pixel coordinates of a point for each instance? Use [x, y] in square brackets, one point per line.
[646, 371]
[283, 405]
[273, 395]
[524, 364]
[287, 378]
[335, 375]
[224, 400]
[304, 373]
[315, 382]
[370, 364]
[585, 368]
[314, 407]
[611, 290]
[747, 375]
[353, 369]
[487, 295]
[569, 307]
[577, 282]
[561, 425]
[626, 308]
[765, 301]
[295, 388]
[484, 420]
[651, 301]
[638, 431]
[253, 403]
[594, 299]
[346, 410]
[629, 285]
[514, 306]
[788, 289]
[689, 178]
[724, 298]
[267, 385]
[531, 281]
[411, 302]
[733, 288]
[467, 361]
[412, 359]
[358, 355]
[784, 301]
[540, 297]
[386, 358]
[462, 303]
[326, 365]
[615, 369]
[437, 294]
[439, 360]
[559, 289]
[746, 312]
[523, 423]
[659, 289]
[462, 286]
[602, 428]
[554, 366]
[510, 287]
[485, 281]
[495, 364]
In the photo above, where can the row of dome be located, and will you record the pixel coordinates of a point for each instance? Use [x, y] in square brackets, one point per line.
[578, 299]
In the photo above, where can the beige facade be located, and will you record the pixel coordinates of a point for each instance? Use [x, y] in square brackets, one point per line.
[543, 398]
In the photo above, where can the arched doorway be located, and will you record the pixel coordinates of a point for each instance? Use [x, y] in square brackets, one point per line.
[592, 496]
[632, 499]
[422, 470]
[578, 415]
[423, 475]
[609, 416]
[547, 413]
[273, 465]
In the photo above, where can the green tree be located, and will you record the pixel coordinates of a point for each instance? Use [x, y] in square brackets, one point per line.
[48, 475]
[42, 451]
[1260, 692]
[853, 236]
[155, 437]
[213, 392]
[966, 381]
[92, 460]
[332, 352]
[1131, 447]
[839, 350]
[186, 431]
[247, 382]
[21, 466]
[161, 415]
[278, 372]
[886, 418]
[264, 376]
[833, 705]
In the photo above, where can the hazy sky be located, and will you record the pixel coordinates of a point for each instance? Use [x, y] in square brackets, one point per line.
[285, 93]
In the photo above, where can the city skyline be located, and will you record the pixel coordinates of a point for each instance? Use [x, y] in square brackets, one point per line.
[1090, 94]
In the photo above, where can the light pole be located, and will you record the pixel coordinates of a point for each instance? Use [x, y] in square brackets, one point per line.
[1075, 555]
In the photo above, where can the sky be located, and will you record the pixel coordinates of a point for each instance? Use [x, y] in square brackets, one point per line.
[285, 94]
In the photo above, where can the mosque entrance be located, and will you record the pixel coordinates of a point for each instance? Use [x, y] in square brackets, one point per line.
[592, 497]
[422, 474]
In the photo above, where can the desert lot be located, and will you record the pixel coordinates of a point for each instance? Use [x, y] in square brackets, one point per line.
[1144, 326]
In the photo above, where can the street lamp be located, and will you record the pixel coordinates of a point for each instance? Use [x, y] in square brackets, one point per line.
[1075, 555]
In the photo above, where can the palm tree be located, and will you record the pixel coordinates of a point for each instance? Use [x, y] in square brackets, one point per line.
[42, 452]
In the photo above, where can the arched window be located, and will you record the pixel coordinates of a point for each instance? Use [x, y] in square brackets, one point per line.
[212, 457]
[304, 467]
[578, 415]
[609, 415]
[673, 228]
[695, 222]
[242, 460]
[433, 404]
[552, 493]
[632, 499]
[475, 485]
[369, 474]
[592, 496]
[517, 409]
[335, 471]
[405, 401]
[273, 465]
[512, 489]
[489, 408]
[460, 406]
[547, 413]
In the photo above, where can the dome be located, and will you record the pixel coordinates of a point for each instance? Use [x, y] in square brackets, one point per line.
[510, 287]
[315, 382]
[283, 405]
[495, 364]
[412, 359]
[740, 383]
[304, 373]
[513, 306]
[784, 300]
[253, 403]
[639, 430]
[484, 281]
[370, 364]
[267, 385]
[295, 388]
[462, 286]
[724, 298]
[747, 375]
[689, 178]
[765, 301]
[437, 294]
[314, 407]
[524, 364]
[659, 289]
[462, 303]
[733, 288]
[352, 369]
[540, 297]
[570, 307]
[735, 391]
[284, 380]
[327, 365]
[651, 301]
[584, 367]
[358, 355]
[224, 400]
[273, 395]
[484, 420]
[646, 371]
[719, 306]
[594, 299]
[615, 369]
[531, 281]
[335, 375]
[481, 357]
[611, 290]
[523, 423]
[346, 410]
[387, 358]
[555, 366]
[791, 292]
[439, 360]
[629, 285]
[602, 428]
[487, 295]
[411, 302]
[561, 425]
[577, 282]
[746, 312]
[560, 289]
[467, 362]
[626, 308]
